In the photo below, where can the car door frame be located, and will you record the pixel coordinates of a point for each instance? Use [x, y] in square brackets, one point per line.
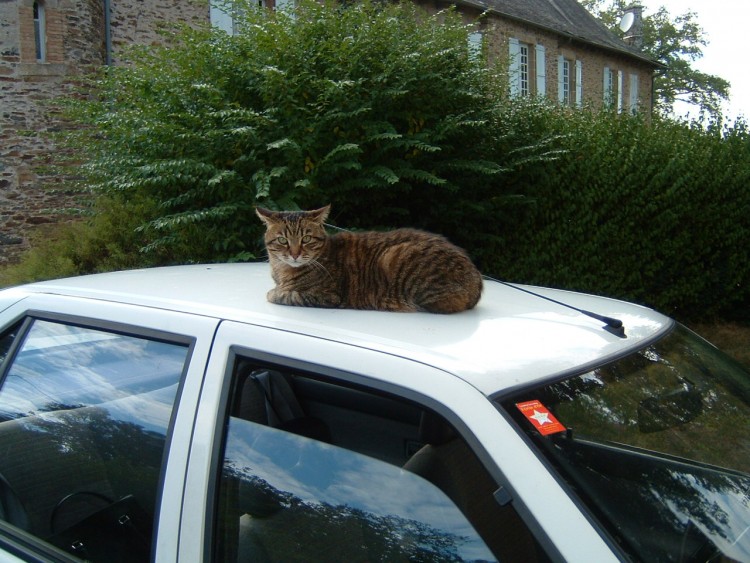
[194, 330]
[523, 477]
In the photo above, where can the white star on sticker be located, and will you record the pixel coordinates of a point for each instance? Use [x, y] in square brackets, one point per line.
[541, 417]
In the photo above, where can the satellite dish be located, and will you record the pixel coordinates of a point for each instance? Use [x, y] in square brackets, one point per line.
[627, 21]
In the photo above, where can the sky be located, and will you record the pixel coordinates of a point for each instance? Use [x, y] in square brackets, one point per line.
[726, 24]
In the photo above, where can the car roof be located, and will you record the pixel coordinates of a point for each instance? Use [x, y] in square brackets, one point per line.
[510, 340]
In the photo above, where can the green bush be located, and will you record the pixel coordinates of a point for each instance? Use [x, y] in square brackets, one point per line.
[106, 240]
[653, 211]
[379, 108]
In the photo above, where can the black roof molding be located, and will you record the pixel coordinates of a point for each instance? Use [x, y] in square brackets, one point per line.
[566, 18]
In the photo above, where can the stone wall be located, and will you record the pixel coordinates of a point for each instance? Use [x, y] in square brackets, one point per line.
[31, 195]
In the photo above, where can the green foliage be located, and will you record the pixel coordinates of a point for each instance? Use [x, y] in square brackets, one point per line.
[107, 240]
[382, 111]
[378, 108]
[653, 211]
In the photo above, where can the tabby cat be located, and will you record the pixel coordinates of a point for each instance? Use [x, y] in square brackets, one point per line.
[401, 270]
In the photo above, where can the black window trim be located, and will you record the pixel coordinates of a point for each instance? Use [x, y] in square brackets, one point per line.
[11, 536]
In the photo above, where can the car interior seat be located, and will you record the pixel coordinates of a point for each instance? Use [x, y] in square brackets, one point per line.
[448, 462]
[267, 397]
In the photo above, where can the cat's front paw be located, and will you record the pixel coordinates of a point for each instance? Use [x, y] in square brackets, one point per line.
[295, 298]
[280, 297]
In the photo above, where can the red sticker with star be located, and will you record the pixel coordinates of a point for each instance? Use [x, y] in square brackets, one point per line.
[539, 415]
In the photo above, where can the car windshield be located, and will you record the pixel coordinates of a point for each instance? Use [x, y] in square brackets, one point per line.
[657, 445]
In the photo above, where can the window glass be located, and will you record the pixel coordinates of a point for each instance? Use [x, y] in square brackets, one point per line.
[83, 422]
[290, 498]
[39, 31]
[566, 82]
[316, 471]
[656, 445]
[524, 69]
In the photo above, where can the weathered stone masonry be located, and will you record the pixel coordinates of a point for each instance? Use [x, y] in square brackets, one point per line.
[74, 33]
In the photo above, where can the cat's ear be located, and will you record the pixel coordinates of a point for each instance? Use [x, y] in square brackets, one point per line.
[320, 215]
[265, 215]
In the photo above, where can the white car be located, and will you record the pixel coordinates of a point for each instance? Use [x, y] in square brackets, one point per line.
[174, 414]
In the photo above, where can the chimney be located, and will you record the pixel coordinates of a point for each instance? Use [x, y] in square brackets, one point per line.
[632, 25]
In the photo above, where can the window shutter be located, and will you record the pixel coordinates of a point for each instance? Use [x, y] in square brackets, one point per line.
[220, 17]
[475, 44]
[579, 83]
[514, 67]
[619, 90]
[560, 79]
[607, 87]
[633, 93]
[541, 72]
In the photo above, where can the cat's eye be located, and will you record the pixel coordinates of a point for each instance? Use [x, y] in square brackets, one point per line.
[306, 239]
[282, 240]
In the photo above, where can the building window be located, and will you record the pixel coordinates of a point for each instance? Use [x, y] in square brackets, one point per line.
[40, 32]
[563, 80]
[523, 68]
[526, 69]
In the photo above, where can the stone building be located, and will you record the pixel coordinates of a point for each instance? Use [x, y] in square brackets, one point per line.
[559, 50]
[554, 48]
[45, 47]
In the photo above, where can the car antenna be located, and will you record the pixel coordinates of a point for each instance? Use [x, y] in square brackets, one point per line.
[613, 325]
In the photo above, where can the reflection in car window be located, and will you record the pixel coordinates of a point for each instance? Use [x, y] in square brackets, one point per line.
[6, 340]
[657, 444]
[289, 498]
[83, 420]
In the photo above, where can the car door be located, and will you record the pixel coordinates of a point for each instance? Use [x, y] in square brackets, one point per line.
[97, 406]
[320, 450]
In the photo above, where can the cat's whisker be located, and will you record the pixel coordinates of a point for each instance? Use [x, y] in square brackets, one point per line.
[320, 267]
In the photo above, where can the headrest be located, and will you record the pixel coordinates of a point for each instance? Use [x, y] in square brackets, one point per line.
[434, 430]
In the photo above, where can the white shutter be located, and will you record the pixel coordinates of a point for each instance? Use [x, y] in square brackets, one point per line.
[221, 17]
[475, 44]
[607, 87]
[633, 93]
[541, 72]
[619, 90]
[514, 67]
[579, 83]
[560, 79]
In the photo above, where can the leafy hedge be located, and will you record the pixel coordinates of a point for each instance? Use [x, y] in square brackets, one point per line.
[384, 111]
[378, 108]
[651, 211]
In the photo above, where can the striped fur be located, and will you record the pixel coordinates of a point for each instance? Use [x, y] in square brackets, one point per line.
[401, 270]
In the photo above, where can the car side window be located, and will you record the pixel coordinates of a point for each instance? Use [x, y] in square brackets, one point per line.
[316, 471]
[84, 415]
